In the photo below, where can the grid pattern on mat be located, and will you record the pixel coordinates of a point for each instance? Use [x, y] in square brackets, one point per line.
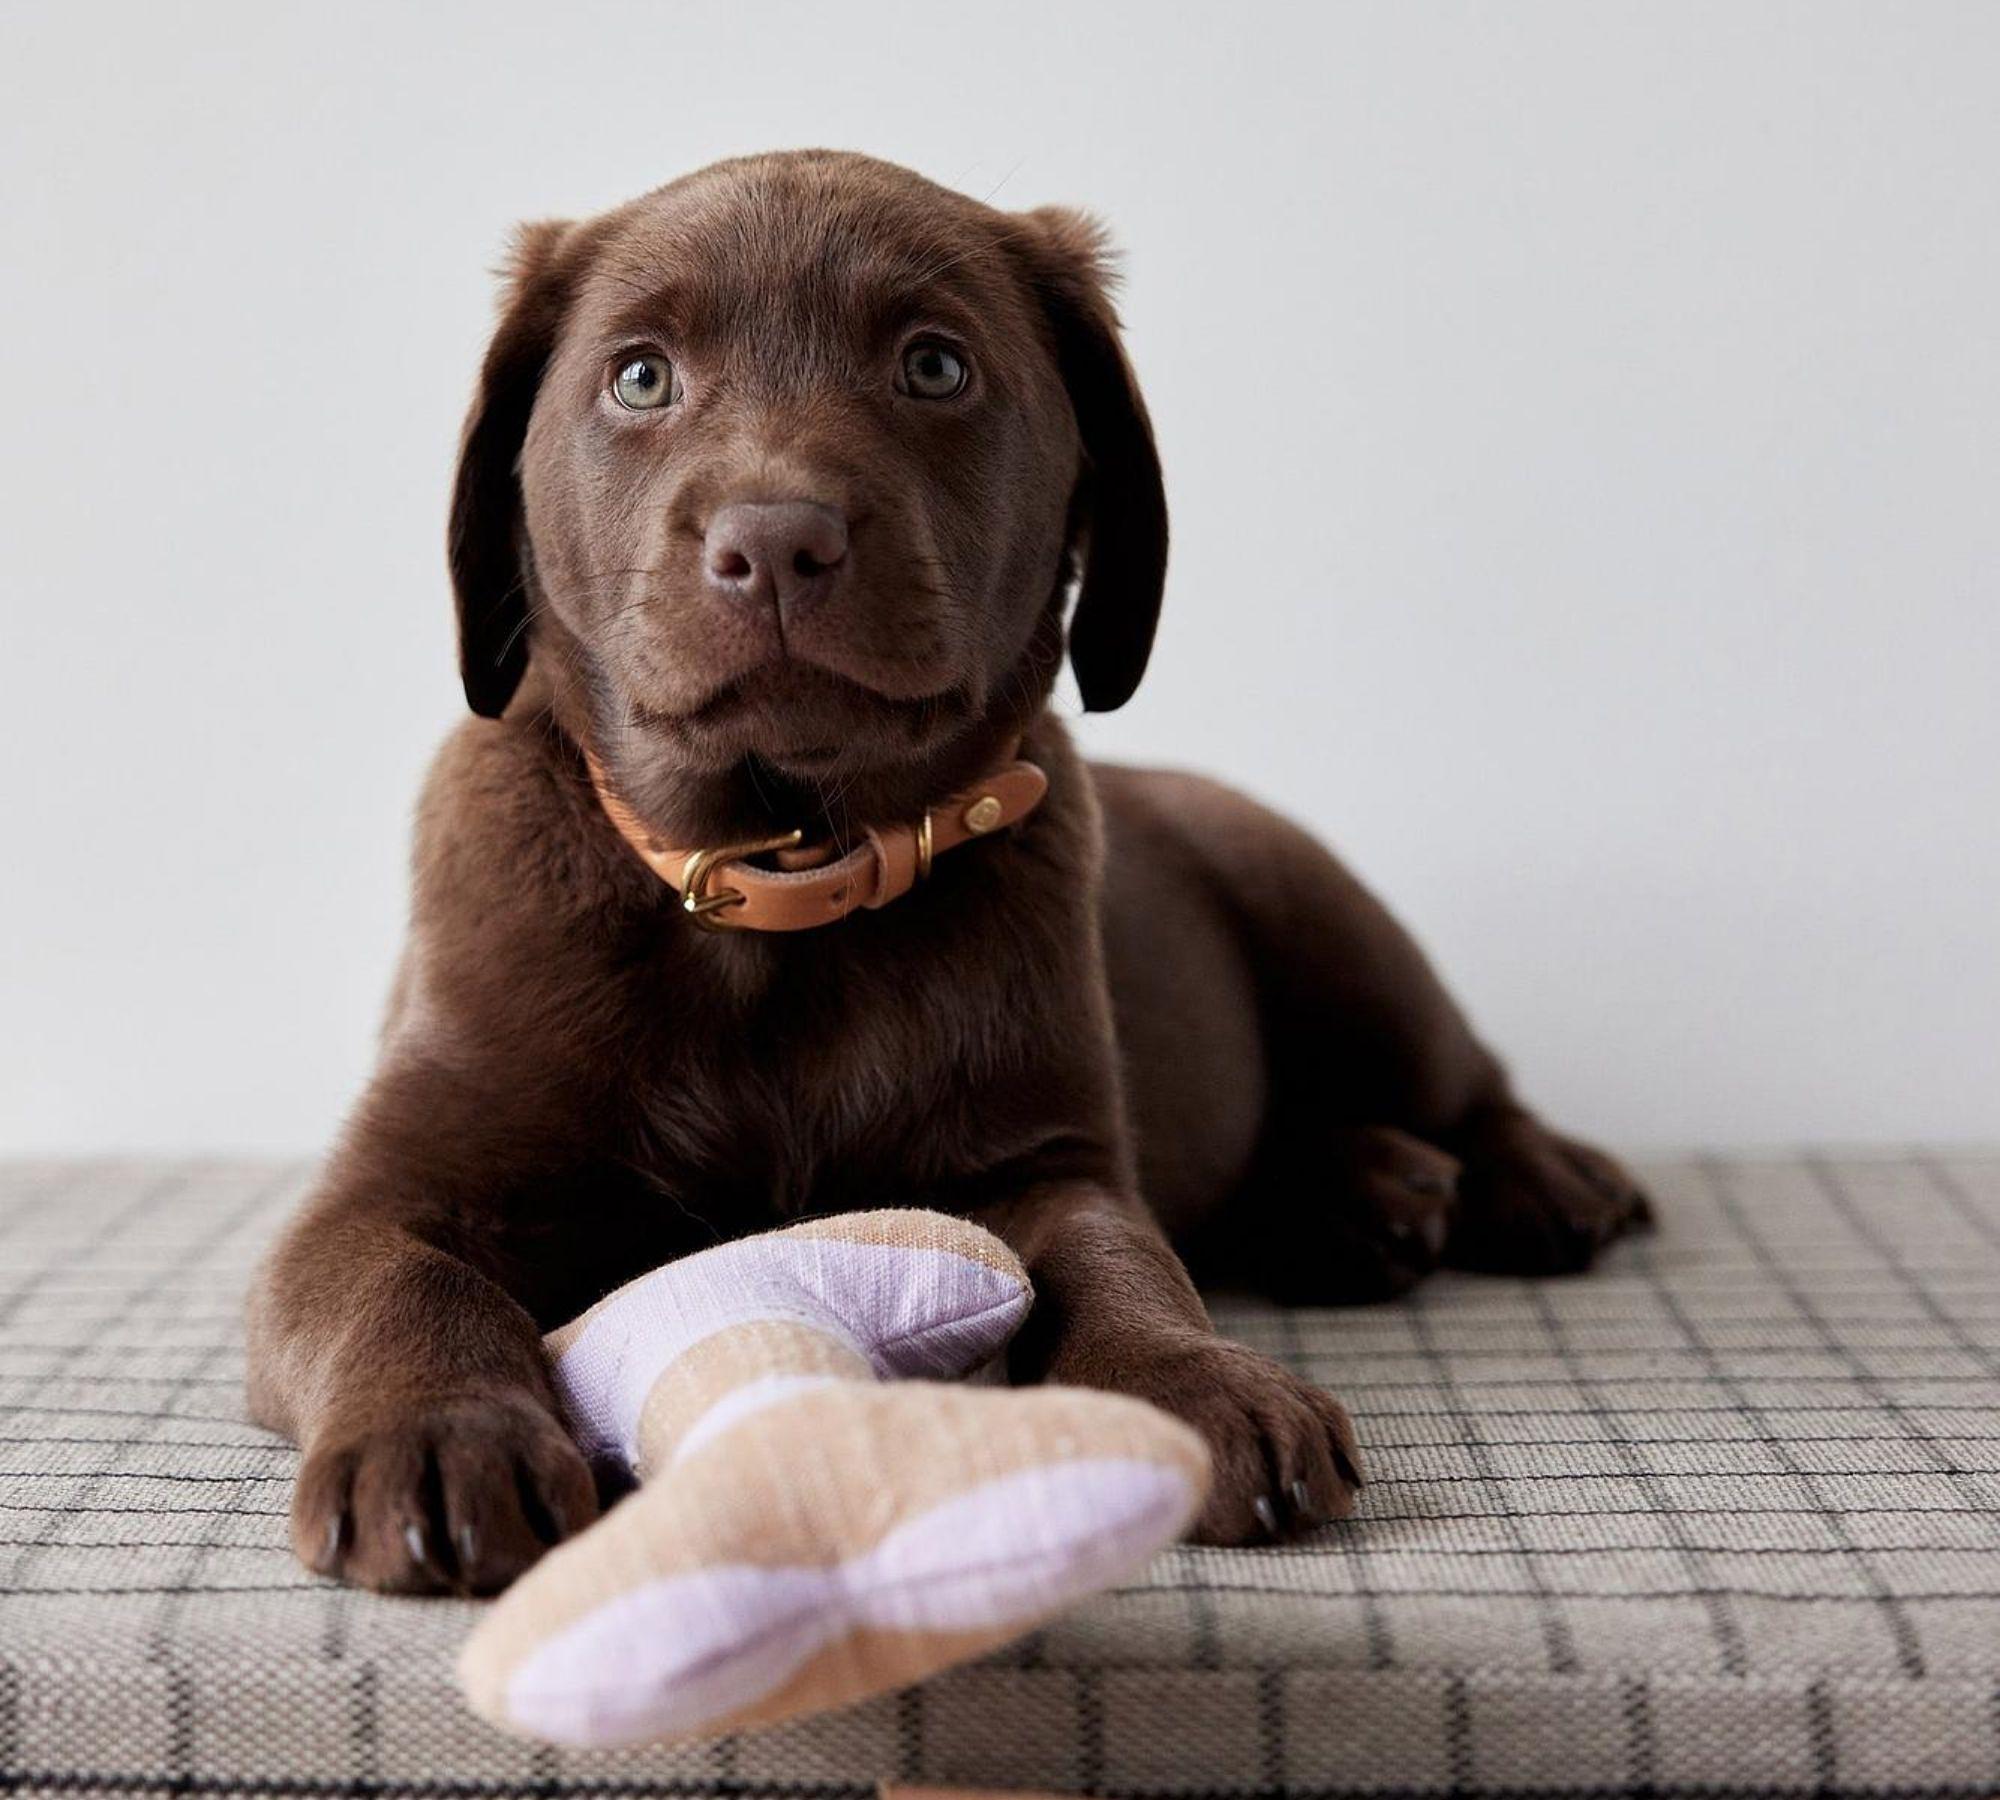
[1721, 1518]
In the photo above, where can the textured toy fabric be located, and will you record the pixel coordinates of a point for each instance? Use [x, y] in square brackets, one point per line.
[817, 1522]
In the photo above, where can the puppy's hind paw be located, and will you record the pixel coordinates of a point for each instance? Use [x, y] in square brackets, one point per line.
[1533, 1203]
[1378, 1229]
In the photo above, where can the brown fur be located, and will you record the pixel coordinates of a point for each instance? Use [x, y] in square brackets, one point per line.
[1152, 1011]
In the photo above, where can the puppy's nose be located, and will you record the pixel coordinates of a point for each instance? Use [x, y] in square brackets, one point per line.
[786, 552]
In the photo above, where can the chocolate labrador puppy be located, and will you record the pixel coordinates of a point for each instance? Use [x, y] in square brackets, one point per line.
[765, 883]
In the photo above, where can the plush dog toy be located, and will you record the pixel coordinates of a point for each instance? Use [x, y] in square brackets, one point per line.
[820, 1517]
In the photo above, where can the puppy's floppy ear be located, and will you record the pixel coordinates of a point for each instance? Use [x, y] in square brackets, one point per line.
[1120, 510]
[484, 545]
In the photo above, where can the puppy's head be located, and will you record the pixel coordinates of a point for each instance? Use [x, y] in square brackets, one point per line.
[795, 463]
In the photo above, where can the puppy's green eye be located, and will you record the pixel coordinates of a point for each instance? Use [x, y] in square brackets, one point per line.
[932, 372]
[644, 383]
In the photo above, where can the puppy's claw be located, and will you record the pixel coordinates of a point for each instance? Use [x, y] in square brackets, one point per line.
[418, 1547]
[1267, 1514]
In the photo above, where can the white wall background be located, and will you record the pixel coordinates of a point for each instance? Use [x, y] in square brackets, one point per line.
[1583, 428]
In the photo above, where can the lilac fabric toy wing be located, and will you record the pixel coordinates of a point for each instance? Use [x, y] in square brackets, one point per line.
[815, 1526]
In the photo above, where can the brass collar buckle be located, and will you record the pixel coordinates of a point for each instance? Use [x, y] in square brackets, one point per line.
[706, 907]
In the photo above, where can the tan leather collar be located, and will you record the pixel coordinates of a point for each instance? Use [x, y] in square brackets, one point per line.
[722, 889]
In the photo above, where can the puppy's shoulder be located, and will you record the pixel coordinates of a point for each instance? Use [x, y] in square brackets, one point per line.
[1195, 820]
[503, 827]
[1177, 802]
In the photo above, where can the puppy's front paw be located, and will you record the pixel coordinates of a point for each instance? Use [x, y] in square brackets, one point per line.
[1283, 1450]
[1533, 1203]
[458, 1494]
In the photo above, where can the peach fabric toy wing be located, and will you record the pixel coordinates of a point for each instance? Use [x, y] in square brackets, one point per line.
[816, 1523]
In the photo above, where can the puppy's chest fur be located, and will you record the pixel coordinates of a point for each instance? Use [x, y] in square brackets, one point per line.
[831, 1070]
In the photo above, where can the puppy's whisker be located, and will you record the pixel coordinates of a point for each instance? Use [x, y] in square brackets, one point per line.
[987, 197]
[528, 615]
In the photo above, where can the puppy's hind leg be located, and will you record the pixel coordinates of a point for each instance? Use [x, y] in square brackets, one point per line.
[1393, 1141]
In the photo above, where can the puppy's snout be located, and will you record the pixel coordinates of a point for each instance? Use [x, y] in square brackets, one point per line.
[786, 553]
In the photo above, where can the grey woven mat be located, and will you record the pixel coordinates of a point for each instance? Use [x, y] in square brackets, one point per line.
[1722, 1518]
